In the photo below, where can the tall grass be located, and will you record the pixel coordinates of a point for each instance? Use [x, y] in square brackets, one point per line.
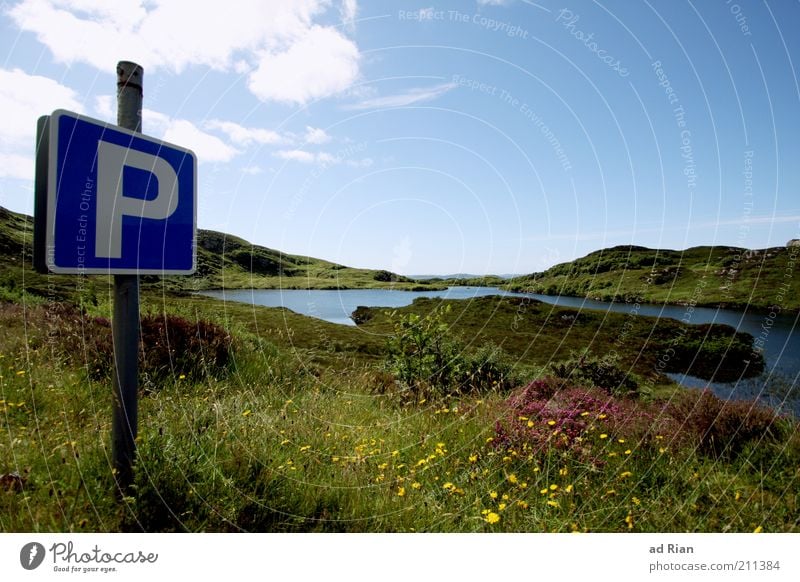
[272, 444]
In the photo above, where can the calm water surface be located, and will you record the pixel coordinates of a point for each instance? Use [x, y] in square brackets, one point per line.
[780, 334]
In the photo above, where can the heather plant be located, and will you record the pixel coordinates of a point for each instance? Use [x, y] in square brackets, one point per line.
[545, 415]
[171, 346]
[725, 428]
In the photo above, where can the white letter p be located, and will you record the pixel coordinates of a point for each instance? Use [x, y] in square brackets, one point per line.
[112, 204]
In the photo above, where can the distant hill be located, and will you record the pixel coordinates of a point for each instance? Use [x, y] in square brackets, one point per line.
[706, 276]
[223, 260]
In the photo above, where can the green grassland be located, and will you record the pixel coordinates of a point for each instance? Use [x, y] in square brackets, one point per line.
[295, 436]
[707, 276]
[223, 261]
[295, 424]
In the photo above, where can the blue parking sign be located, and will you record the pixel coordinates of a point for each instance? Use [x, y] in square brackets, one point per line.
[118, 202]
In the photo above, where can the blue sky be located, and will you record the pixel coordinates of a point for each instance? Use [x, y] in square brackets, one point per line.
[481, 137]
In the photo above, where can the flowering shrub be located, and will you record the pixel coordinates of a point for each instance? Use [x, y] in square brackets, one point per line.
[552, 413]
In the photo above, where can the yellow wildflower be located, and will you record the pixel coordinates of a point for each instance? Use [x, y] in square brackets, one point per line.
[501, 507]
[493, 494]
[552, 503]
[553, 487]
[401, 491]
[759, 529]
[629, 521]
[604, 436]
[628, 451]
[492, 517]
[246, 413]
[551, 422]
[416, 485]
[473, 458]
[512, 478]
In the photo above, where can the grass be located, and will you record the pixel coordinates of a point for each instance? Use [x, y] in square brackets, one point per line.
[303, 431]
[295, 438]
[706, 276]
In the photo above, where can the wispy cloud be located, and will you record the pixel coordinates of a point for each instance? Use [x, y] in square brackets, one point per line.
[244, 136]
[415, 95]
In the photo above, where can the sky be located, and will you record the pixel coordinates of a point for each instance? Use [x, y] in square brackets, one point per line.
[472, 136]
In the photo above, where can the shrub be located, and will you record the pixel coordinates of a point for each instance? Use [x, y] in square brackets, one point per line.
[425, 359]
[551, 412]
[725, 428]
[173, 346]
[715, 352]
[601, 372]
[170, 345]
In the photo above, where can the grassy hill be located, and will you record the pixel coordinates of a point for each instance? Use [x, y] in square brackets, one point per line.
[223, 260]
[259, 419]
[707, 276]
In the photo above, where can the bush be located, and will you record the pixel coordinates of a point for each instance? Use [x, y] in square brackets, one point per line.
[170, 345]
[174, 346]
[551, 412]
[715, 352]
[425, 359]
[725, 428]
[601, 372]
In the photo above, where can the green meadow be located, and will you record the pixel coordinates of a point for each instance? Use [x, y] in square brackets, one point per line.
[493, 415]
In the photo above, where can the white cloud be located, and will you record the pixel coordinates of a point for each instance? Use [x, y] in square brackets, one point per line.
[415, 95]
[296, 156]
[321, 63]
[316, 135]
[288, 57]
[244, 136]
[252, 170]
[208, 148]
[362, 163]
[104, 108]
[16, 166]
[23, 99]
[492, 2]
[322, 158]
[348, 11]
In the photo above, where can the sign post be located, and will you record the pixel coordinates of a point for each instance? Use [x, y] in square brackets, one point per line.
[125, 321]
[112, 201]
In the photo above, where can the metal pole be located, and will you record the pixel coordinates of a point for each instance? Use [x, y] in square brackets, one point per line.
[125, 322]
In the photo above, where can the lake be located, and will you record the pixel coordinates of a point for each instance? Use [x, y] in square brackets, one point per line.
[779, 335]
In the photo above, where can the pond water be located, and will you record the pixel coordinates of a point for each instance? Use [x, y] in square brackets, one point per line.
[779, 334]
